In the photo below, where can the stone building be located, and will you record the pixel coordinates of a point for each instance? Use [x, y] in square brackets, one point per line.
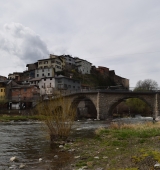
[69, 62]
[66, 83]
[103, 71]
[55, 62]
[83, 66]
[24, 93]
[3, 78]
[16, 76]
[32, 66]
[5, 88]
[119, 80]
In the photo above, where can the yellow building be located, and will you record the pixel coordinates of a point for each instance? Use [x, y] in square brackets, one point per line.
[54, 61]
[2, 93]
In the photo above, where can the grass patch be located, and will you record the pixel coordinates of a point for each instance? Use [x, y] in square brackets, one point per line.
[8, 118]
[124, 147]
[81, 164]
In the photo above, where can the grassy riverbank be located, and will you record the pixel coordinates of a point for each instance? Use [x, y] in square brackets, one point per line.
[122, 147]
[119, 147]
[8, 118]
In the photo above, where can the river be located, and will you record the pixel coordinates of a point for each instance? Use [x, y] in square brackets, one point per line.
[28, 141]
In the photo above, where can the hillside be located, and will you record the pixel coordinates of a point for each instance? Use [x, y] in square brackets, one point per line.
[94, 80]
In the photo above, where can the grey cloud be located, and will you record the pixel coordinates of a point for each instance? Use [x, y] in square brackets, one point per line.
[112, 33]
[23, 43]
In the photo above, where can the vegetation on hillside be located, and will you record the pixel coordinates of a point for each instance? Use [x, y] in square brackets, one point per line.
[94, 80]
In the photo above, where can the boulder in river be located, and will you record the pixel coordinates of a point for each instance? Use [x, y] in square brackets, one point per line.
[14, 159]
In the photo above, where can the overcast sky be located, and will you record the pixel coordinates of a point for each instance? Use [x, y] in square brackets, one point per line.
[123, 35]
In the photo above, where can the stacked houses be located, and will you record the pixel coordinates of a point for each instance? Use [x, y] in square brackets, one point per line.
[42, 80]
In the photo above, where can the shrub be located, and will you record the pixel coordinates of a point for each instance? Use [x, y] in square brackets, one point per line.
[58, 116]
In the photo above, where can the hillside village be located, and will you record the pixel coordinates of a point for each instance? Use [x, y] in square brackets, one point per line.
[63, 73]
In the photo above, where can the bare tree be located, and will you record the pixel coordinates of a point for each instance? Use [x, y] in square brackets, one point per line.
[58, 116]
[147, 84]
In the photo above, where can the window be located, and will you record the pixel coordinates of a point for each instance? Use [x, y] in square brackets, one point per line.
[37, 75]
[40, 63]
[42, 70]
[25, 89]
[58, 62]
[43, 74]
[58, 67]
[46, 62]
[1, 90]
[59, 81]
[50, 78]
[48, 74]
[44, 79]
[65, 85]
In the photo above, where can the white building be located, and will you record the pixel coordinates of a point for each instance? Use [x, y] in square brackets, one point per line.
[44, 72]
[69, 60]
[46, 85]
[83, 66]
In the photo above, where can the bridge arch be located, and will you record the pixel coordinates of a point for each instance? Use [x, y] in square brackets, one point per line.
[108, 101]
[88, 111]
[119, 100]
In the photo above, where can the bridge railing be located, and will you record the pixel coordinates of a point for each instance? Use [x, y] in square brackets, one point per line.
[130, 89]
[140, 89]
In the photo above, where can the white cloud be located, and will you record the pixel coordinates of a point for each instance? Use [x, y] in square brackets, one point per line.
[19, 45]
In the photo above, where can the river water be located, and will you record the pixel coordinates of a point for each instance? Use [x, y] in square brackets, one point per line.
[28, 141]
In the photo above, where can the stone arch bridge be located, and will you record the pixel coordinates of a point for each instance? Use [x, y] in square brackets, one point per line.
[105, 101]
